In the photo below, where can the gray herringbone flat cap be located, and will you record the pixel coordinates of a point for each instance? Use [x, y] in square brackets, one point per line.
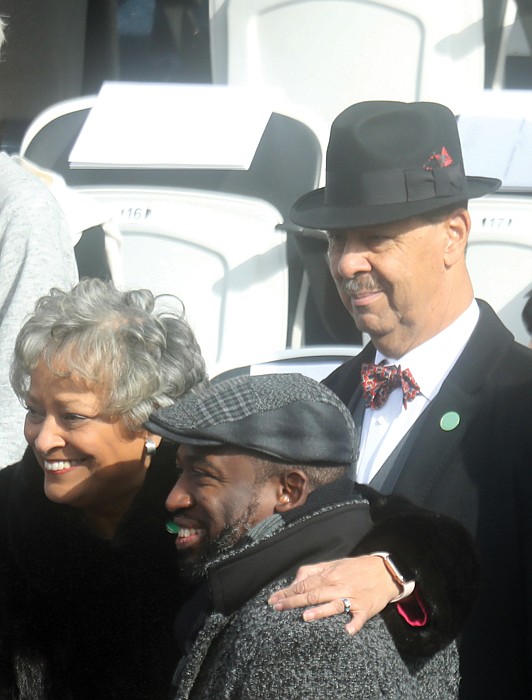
[287, 416]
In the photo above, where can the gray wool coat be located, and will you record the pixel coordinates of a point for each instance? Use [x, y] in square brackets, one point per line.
[255, 653]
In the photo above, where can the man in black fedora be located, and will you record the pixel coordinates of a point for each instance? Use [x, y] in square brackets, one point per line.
[442, 393]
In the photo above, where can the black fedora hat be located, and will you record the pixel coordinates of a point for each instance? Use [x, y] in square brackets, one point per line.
[388, 161]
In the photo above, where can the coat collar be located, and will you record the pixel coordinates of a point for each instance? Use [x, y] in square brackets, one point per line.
[53, 546]
[333, 532]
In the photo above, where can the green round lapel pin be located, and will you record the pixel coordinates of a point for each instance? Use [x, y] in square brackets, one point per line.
[449, 421]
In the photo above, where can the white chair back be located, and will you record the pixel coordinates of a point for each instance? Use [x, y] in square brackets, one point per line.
[328, 54]
[499, 256]
[219, 253]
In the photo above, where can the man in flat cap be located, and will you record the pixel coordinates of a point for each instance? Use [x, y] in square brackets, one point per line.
[442, 393]
[263, 489]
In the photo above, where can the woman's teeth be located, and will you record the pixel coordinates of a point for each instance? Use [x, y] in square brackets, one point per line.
[59, 465]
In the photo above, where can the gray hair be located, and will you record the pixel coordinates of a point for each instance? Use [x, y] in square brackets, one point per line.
[436, 216]
[136, 348]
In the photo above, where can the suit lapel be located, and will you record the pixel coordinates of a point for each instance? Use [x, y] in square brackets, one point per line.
[461, 394]
[431, 452]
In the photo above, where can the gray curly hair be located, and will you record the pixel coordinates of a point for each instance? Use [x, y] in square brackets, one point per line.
[137, 349]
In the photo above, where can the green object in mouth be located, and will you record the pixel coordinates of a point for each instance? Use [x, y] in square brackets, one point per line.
[172, 528]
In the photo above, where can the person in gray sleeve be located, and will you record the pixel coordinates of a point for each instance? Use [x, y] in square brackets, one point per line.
[36, 253]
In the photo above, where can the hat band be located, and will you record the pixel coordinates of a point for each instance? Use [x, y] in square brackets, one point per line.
[393, 186]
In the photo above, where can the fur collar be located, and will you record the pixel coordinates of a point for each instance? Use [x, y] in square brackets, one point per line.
[50, 541]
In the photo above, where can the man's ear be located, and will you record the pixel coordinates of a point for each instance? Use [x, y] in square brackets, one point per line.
[293, 490]
[458, 227]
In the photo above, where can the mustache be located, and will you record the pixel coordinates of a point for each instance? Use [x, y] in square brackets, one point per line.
[357, 285]
[183, 513]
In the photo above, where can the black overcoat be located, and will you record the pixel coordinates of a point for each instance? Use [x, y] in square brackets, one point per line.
[82, 618]
[481, 474]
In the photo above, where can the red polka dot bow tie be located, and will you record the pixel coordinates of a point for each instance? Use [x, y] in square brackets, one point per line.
[379, 381]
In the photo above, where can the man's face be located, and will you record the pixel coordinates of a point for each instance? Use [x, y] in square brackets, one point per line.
[395, 280]
[216, 500]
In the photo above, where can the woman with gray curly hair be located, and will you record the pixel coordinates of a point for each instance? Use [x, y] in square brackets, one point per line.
[89, 584]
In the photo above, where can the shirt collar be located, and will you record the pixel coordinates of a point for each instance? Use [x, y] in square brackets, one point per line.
[431, 362]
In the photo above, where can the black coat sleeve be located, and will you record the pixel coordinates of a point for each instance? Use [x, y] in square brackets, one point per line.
[439, 554]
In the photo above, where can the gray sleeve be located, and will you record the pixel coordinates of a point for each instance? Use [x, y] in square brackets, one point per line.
[264, 654]
[36, 253]
[320, 659]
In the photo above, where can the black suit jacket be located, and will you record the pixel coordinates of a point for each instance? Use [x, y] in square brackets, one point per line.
[481, 474]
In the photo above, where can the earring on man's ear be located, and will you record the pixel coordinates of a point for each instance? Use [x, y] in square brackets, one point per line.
[150, 446]
[285, 498]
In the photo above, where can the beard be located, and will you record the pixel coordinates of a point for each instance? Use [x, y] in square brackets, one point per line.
[194, 566]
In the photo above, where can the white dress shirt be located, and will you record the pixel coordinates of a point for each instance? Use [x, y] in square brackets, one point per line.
[430, 363]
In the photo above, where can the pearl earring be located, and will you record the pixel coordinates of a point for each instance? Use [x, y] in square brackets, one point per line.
[151, 447]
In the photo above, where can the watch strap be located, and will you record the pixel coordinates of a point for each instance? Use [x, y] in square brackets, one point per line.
[407, 587]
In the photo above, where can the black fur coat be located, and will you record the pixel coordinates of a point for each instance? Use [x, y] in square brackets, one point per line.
[81, 617]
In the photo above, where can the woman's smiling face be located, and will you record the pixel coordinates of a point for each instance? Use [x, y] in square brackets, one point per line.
[90, 461]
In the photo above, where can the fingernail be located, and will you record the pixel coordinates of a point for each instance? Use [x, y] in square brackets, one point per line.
[308, 616]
